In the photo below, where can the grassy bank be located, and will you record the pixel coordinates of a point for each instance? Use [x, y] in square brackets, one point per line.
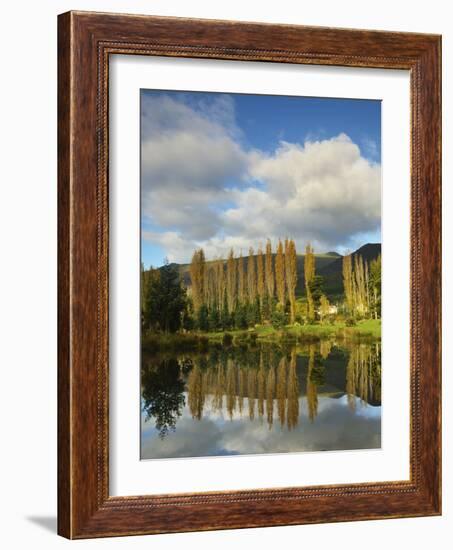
[364, 330]
[369, 328]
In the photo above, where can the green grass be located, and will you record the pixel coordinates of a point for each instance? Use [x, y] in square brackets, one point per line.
[369, 329]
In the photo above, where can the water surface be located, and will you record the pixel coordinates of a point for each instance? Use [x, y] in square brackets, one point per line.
[265, 398]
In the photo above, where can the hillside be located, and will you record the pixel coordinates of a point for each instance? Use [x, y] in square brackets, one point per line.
[333, 272]
[329, 265]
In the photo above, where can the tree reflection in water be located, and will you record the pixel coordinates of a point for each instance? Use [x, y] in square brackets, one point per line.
[260, 382]
[162, 393]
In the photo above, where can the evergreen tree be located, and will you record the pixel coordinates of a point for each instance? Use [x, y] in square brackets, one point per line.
[214, 319]
[266, 309]
[278, 318]
[252, 313]
[146, 276]
[316, 290]
[240, 319]
[188, 321]
[225, 318]
[203, 318]
[258, 315]
[165, 300]
[163, 395]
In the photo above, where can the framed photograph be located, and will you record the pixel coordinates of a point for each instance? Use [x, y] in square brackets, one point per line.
[249, 275]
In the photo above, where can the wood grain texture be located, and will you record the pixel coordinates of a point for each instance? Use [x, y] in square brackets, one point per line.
[86, 40]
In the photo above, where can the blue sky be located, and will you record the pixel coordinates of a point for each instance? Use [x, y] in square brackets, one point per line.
[231, 170]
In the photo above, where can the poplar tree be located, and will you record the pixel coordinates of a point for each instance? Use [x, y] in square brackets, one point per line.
[348, 283]
[291, 276]
[375, 286]
[210, 287]
[242, 283]
[309, 274]
[251, 276]
[360, 298]
[220, 283]
[292, 414]
[270, 280]
[261, 287]
[231, 282]
[197, 277]
[280, 275]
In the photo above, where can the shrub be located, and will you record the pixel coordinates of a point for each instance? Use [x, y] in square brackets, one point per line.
[350, 322]
[278, 319]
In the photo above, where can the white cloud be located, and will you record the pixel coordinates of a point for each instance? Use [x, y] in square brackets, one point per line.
[202, 187]
[324, 192]
[187, 160]
[336, 428]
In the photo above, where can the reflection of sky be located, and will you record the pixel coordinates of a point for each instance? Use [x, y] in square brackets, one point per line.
[336, 427]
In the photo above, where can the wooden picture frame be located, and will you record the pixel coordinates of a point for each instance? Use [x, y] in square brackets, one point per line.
[85, 42]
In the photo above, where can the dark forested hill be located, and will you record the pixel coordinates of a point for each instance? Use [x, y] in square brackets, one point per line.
[333, 272]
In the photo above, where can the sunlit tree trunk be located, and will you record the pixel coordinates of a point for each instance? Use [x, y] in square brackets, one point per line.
[197, 276]
[309, 273]
[280, 275]
[291, 276]
[220, 280]
[231, 282]
[261, 287]
[251, 277]
[270, 279]
[242, 284]
[348, 283]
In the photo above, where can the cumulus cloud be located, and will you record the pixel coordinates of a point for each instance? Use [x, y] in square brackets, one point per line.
[336, 428]
[324, 192]
[188, 159]
[201, 186]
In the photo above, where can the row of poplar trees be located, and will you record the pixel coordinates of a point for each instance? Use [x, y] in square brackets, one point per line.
[240, 292]
[264, 281]
[362, 286]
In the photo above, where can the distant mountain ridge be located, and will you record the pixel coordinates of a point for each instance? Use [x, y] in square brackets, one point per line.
[328, 265]
[368, 252]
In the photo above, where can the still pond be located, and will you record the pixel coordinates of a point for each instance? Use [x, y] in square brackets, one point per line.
[267, 398]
